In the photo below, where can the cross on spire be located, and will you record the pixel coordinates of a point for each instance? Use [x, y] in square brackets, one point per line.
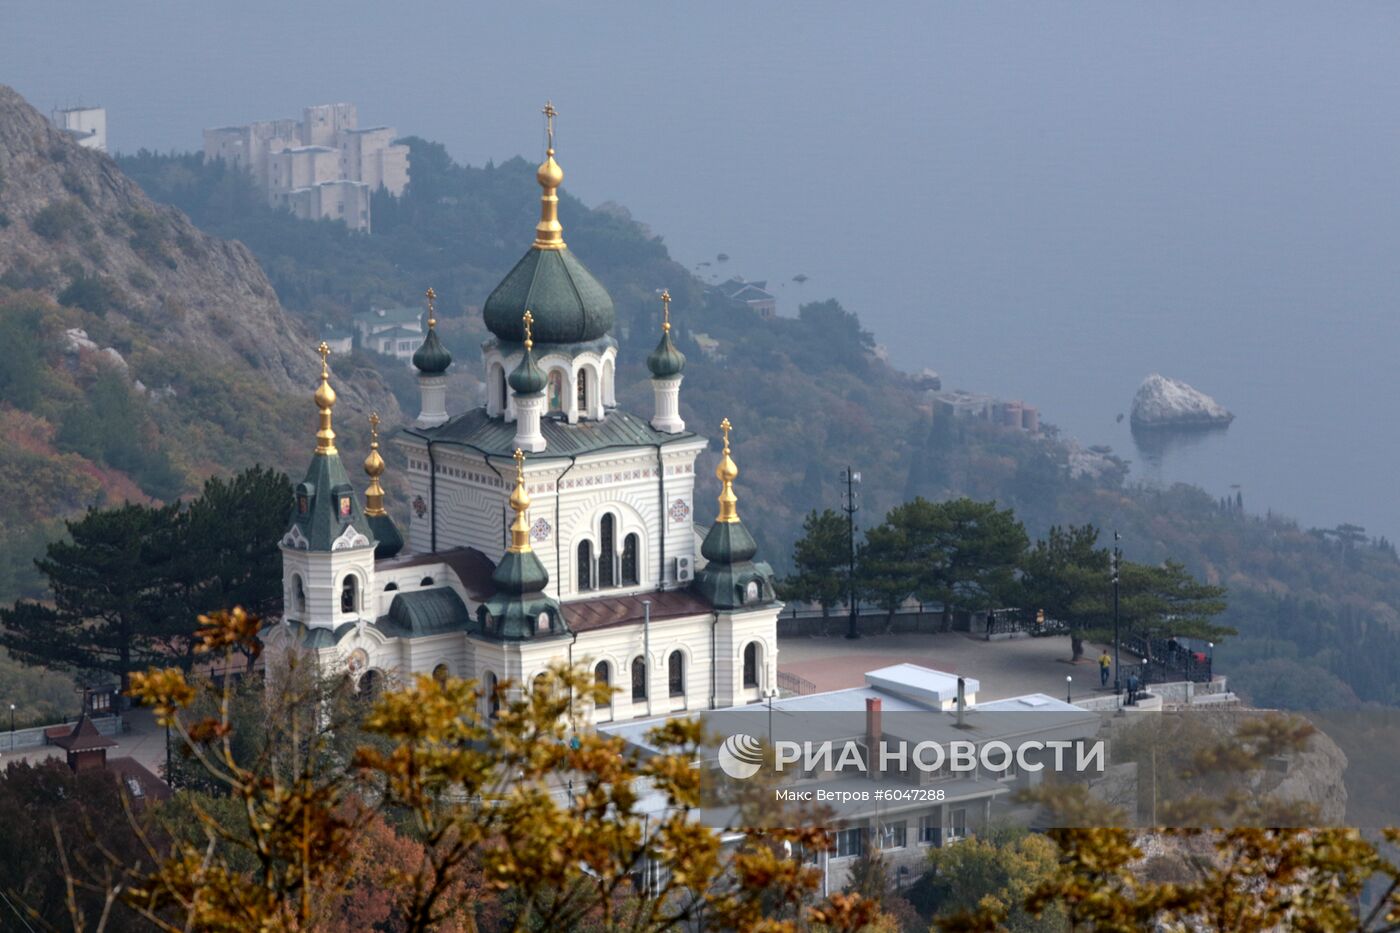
[549, 114]
[432, 314]
[726, 427]
[374, 425]
[528, 319]
[519, 464]
[666, 310]
[325, 350]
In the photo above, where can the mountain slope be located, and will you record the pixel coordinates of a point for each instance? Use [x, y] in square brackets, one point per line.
[138, 354]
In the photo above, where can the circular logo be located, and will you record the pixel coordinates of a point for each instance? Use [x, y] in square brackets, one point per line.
[741, 756]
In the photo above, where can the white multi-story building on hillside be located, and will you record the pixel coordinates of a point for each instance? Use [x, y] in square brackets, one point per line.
[322, 167]
[87, 125]
[547, 524]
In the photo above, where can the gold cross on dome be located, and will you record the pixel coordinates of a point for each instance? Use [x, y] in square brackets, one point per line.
[432, 314]
[529, 319]
[519, 463]
[726, 427]
[549, 114]
[325, 350]
[374, 425]
[666, 310]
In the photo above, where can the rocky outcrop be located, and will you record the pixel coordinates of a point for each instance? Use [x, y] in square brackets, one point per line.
[1170, 403]
[73, 226]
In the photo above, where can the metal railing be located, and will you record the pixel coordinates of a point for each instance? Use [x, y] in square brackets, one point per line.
[794, 684]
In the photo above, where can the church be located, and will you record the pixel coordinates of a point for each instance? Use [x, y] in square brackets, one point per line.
[547, 524]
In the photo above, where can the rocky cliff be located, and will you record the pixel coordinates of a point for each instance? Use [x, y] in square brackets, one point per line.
[138, 354]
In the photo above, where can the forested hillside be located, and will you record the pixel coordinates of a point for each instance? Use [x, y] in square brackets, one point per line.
[809, 396]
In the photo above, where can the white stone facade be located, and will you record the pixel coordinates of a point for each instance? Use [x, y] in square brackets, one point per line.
[649, 496]
[87, 125]
[593, 370]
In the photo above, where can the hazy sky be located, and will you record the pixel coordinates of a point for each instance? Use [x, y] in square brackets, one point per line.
[1045, 200]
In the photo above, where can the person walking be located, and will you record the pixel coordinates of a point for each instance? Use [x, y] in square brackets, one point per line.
[1104, 662]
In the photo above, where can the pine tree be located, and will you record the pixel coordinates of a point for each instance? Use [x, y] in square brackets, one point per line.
[107, 593]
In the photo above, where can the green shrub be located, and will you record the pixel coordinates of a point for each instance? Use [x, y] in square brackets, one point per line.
[92, 293]
[61, 219]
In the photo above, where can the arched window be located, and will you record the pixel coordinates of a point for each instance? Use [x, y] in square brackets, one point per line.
[501, 395]
[493, 696]
[556, 391]
[298, 594]
[675, 673]
[751, 664]
[349, 594]
[582, 392]
[426, 581]
[441, 673]
[602, 676]
[390, 587]
[371, 685]
[639, 680]
[607, 547]
[540, 687]
[585, 565]
[629, 561]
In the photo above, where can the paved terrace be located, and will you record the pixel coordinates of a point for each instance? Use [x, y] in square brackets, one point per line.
[1005, 668]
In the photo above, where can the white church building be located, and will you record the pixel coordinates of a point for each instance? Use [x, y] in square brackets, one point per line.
[547, 525]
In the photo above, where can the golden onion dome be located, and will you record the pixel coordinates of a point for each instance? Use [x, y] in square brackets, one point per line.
[549, 174]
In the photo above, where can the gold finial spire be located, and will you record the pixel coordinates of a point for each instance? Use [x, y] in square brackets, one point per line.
[549, 234]
[325, 401]
[725, 473]
[519, 501]
[432, 313]
[665, 310]
[528, 320]
[374, 468]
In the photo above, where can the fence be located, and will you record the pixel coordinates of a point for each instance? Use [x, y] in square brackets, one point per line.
[1168, 660]
[22, 739]
[793, 684]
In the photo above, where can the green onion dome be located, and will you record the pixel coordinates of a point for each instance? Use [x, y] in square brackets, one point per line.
[665, 360]
[527, 378]
[432, 358]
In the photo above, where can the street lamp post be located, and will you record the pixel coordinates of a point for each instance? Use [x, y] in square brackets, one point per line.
[1117, 560]
[852, 479]
[1069, 679]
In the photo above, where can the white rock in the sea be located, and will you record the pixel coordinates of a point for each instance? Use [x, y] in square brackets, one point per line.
[1163, 402]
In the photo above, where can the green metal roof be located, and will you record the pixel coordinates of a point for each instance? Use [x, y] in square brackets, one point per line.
[388, 539]
[496, 436]
[569, 305]
[527, 378]
[321, 521]
[724, 581]
[429, 612]
[665, 360]
[432, 358]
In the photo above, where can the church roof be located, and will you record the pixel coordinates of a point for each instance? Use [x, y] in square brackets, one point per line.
[473, 568]
[321, 523]
[569, 305]
[608, 611]
[429, 612]
[496, 436]
[431, 358]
